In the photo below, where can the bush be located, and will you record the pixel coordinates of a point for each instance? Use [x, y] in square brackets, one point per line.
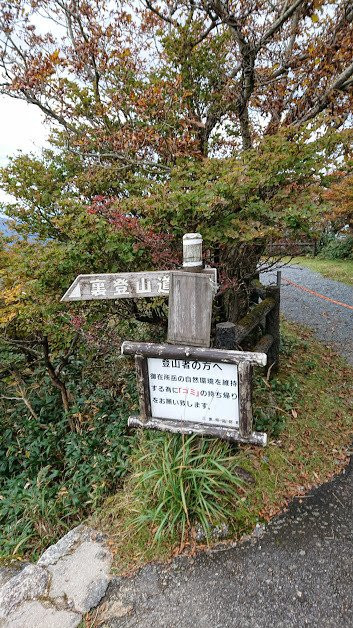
[335, 248]
[52, 477]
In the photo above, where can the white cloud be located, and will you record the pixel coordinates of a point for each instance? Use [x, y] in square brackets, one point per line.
[22, 128]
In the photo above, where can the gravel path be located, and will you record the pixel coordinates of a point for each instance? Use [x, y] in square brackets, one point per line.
[298, 572]
[331, 323]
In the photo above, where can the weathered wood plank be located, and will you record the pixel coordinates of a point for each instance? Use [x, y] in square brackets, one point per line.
[190, 309]
[179, 427]
[138, 285]
[142, 387]
[119, 286]
[245, 405]
[264, 344]
[192, 252]
[253, 318]
[152, 350]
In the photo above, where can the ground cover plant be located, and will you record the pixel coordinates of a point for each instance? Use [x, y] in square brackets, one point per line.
[51, 477]
[174, 487]
[338, 269]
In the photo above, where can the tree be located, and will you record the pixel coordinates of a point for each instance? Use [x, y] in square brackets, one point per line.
[340, 197]
[219, 78]
[215, 71]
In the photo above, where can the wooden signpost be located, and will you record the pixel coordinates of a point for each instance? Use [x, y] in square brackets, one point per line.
[184, 386]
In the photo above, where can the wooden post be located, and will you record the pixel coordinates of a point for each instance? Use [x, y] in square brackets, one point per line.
[245, 392]
[226, 336]
[190, 308]
[142, 389]
[272, 328]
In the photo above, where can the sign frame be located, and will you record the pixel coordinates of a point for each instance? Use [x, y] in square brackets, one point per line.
[244, 361]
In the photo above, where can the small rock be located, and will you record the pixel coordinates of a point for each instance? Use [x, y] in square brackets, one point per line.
[302, 552]
[30, 583]
[246, 476]
[114, 611]
[217, 533]
[37, 615]
[299, 594]
[259, 530]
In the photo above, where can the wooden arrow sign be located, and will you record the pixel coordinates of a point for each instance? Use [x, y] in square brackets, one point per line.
[123, 285]
[118, 286]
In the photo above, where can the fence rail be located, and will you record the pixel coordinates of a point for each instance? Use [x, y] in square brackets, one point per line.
[264, 314]
[274, 249]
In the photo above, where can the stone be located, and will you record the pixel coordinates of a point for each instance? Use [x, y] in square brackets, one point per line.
[62, 547]
[244, 475]
[6, 573]
[36, 614]
[116, 610]
[259, 531]
[82, 576]
[30, 583]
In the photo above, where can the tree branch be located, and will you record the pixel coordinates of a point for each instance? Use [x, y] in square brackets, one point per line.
[323, 101]
[276, 26]
[57, 382]
[65, 359]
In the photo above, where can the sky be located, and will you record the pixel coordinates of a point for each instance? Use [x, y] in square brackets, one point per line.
[22, 128]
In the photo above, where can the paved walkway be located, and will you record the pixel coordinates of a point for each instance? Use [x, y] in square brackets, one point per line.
[332, 323]
[299, 572]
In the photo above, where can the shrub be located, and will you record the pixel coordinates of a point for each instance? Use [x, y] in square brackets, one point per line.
[335, 248]
[51, 477]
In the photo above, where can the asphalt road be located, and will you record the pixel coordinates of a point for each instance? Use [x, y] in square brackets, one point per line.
[298, 571]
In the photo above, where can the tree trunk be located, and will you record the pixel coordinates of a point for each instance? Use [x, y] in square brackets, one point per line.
[239, 266]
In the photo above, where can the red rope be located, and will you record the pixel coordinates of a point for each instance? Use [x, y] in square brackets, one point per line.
[317, 294]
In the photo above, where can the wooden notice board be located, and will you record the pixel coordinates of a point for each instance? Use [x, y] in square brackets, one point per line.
[190, 308]
[196, 390]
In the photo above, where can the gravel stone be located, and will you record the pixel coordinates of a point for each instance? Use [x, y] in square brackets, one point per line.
[331, 323]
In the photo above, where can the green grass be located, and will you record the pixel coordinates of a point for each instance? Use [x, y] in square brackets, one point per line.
[307, 411]
[338, 269]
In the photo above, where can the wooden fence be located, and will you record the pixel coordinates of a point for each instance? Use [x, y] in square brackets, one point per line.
[265, 315]
[286, 247]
